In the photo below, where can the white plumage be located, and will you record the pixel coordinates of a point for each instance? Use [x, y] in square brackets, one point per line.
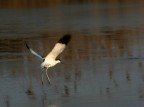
[50, 59]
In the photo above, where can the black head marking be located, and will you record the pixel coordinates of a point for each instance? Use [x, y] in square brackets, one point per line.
[65, 39]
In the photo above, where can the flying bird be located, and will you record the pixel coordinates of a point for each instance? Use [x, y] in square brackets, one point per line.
[51, 59]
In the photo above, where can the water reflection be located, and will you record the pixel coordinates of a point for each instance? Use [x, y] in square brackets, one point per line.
[7, 101]
[93, 64]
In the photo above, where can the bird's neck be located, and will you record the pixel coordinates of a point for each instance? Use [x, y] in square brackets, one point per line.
[57, 61]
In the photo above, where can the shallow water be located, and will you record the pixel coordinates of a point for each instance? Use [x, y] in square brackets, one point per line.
[103, 64]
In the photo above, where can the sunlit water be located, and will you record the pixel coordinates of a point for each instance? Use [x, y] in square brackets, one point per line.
[103, 64]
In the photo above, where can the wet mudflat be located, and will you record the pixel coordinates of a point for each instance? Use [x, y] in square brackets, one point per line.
[103, 64]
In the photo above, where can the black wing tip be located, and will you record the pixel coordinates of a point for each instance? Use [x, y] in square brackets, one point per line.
[27, 45]
[65, 39]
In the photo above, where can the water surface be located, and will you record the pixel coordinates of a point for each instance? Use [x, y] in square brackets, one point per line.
[103, 64]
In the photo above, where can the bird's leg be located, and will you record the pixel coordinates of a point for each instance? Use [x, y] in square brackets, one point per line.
[47, 76]
[42, 76]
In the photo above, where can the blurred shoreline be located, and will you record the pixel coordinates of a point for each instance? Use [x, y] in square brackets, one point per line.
[58, 3]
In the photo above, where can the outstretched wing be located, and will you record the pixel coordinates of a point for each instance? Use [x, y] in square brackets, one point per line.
[33, 52]
[59, 47]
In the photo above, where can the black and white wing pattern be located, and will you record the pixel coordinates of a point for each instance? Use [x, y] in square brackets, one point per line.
[33, 52]
[59, 47]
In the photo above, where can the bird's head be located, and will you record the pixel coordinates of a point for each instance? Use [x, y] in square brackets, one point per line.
[59, 61]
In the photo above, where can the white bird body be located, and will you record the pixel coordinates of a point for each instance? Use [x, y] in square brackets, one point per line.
[49, 63]
[50, 59]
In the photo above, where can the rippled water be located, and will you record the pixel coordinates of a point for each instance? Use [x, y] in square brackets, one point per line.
[103, 64]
